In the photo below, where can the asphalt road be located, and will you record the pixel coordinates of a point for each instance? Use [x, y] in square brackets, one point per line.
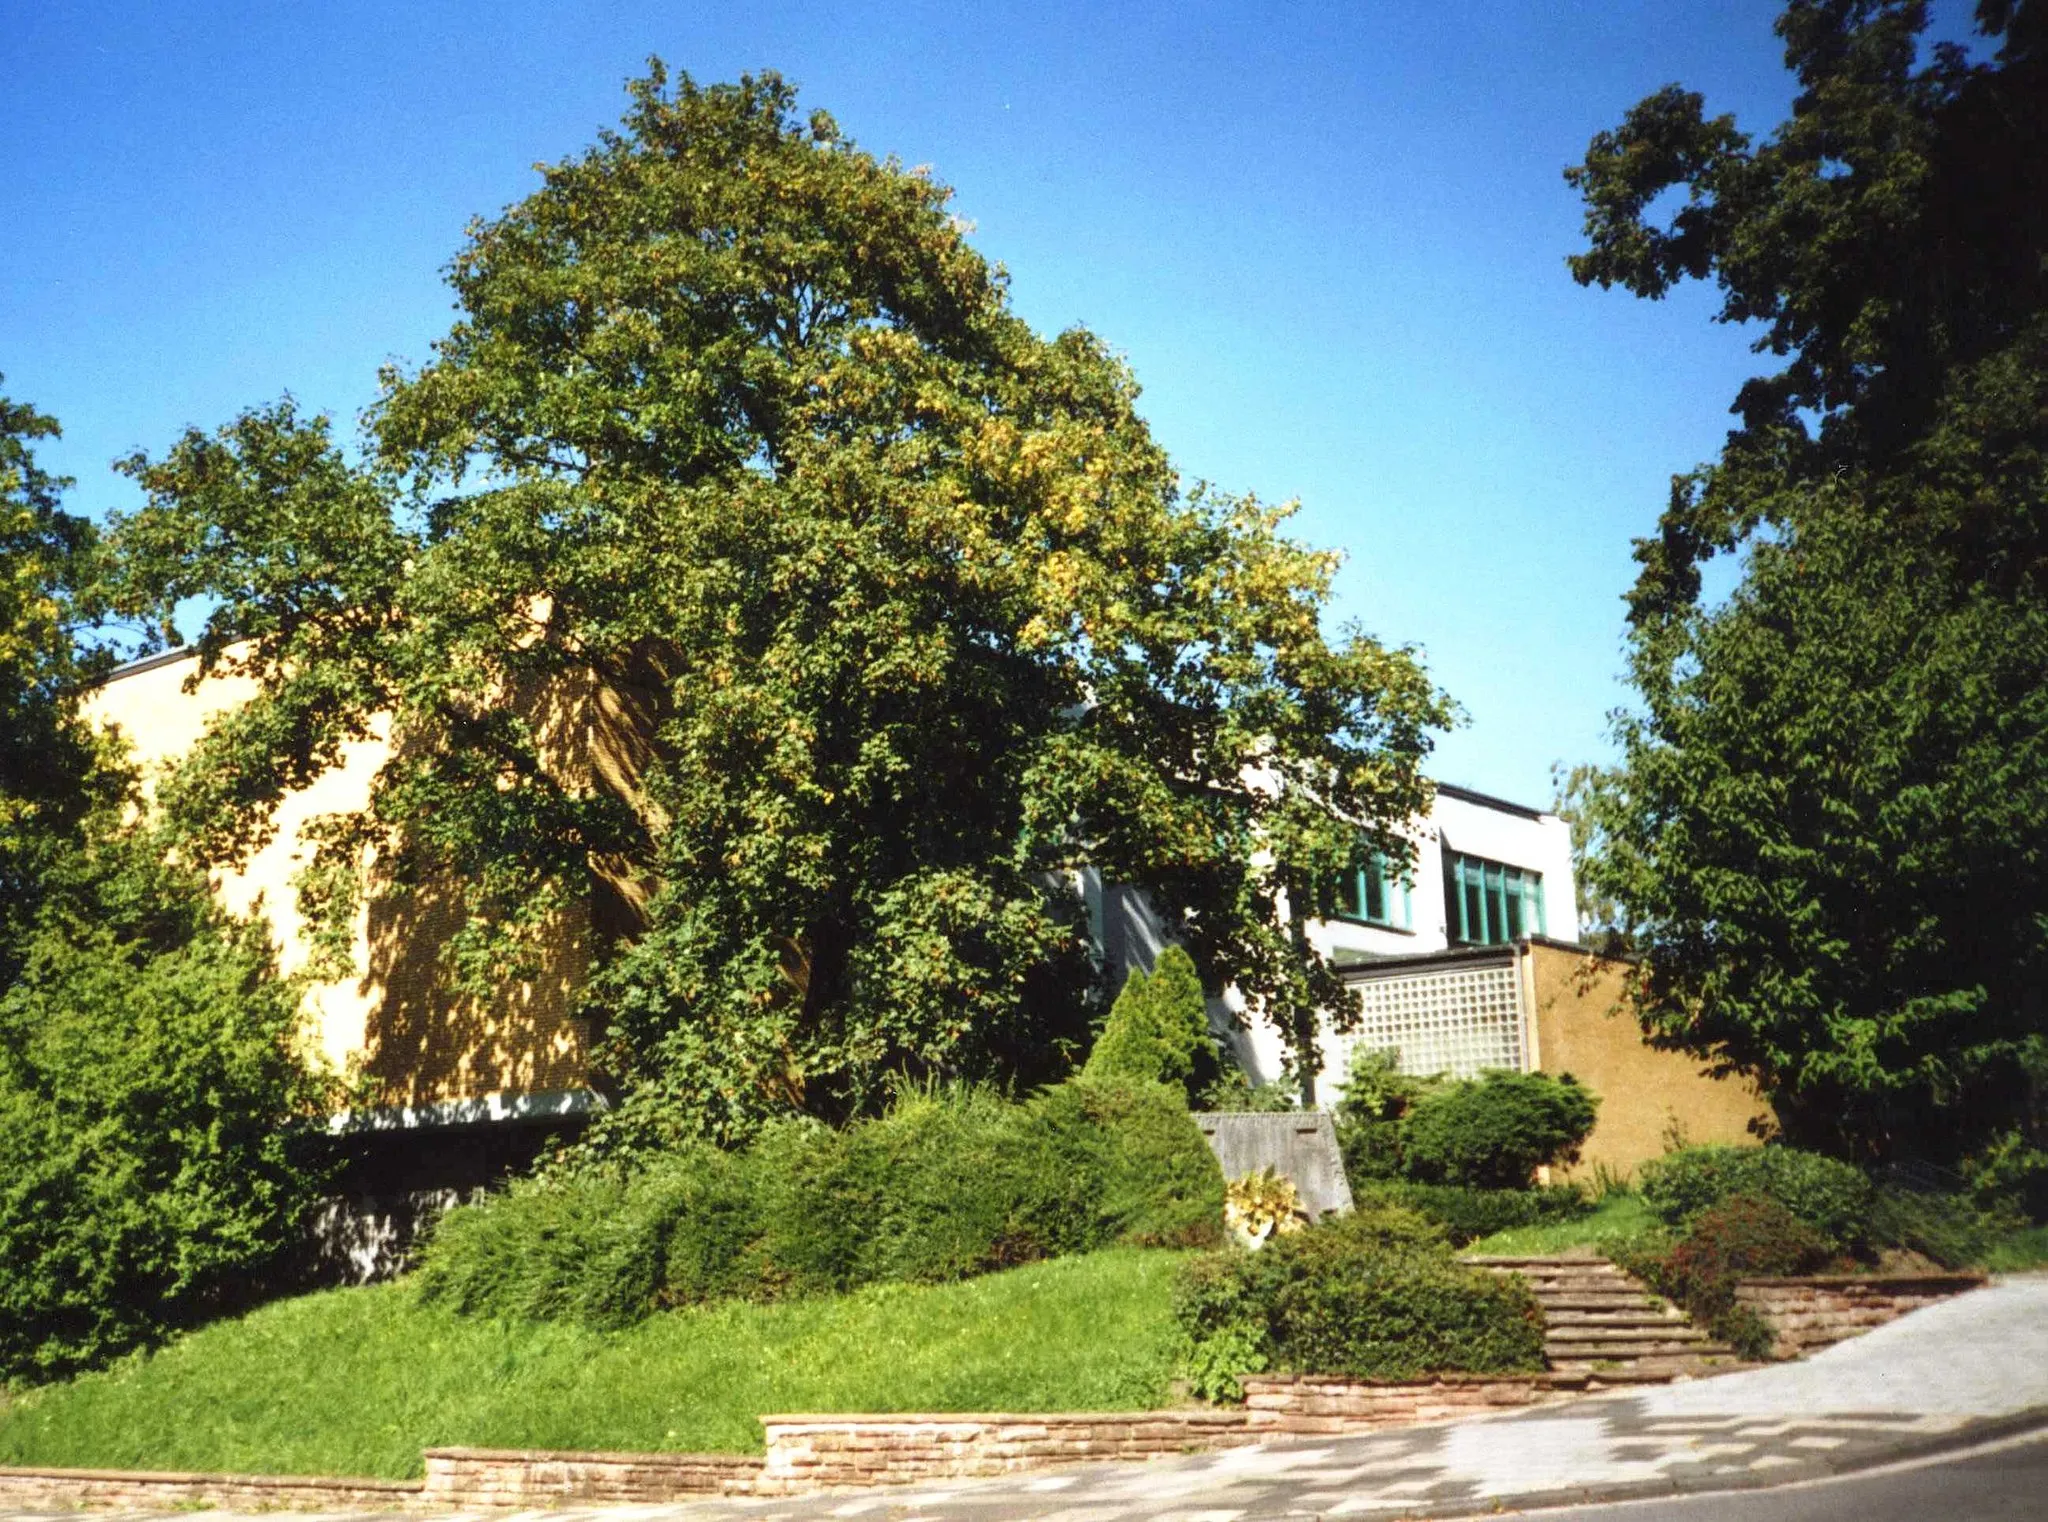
[2003, 1482]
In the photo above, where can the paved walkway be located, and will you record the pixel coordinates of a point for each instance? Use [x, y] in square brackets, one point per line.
[1973, 1366]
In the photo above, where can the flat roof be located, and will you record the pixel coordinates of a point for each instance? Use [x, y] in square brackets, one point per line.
[1489, 801]
[149, 663]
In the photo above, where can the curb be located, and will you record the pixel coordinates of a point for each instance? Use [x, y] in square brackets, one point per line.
[1972, 1434]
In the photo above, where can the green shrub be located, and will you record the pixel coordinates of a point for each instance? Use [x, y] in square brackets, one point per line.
[1496, 1131]
[2009, 1180]
[1830, 1196]
[1739, 1237]
[1233, 1090]
[943, 1187]
[1376, 1098]
[1157, 1185]
[1947, 1228]
[1466, 1215]
[1374, 1294]
[1158, 1029]
[526, 1254]
[154, 1168]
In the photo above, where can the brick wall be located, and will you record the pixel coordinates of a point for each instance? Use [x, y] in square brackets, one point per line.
[1311, 1404]
[1813, 1313]
[520, 1478]
[22, 1489]
[822, 1452]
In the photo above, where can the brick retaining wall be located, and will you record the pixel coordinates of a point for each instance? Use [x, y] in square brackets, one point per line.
[1286, 1404]
[157, 1490]
[522, 1477]
[824, 1451]
[1813, 1313]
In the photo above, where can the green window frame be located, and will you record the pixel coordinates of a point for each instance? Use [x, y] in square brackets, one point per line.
[1375, 894]
[1489, 903]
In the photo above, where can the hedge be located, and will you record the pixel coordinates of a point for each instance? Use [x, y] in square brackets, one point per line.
[1374, 1294]
[943, 1187]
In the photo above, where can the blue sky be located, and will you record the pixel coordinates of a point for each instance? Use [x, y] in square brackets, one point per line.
[1330, 240]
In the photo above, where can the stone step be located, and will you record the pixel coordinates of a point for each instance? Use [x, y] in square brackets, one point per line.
[1658, 1320]
[1602, 1325]
[1613, 1284]
[1677, 1331]
[1617, 1305]
[1519, 1261]
[1580, 1285]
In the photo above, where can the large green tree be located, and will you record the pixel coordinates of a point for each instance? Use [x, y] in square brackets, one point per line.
[152, 1157]
[886, 614]
[46, 754]
[1827, 836]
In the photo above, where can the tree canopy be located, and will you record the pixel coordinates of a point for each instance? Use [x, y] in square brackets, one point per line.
[150, 1171]
[46, 755]
[1826, 834]
[741, 565]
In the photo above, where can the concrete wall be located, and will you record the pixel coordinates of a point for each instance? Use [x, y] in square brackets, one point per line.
[1585, 1026]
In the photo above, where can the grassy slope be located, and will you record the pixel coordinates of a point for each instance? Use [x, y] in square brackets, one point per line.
[1619, 1215]
[358, 1381]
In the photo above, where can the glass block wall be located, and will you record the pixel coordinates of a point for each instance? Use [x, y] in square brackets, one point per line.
[1456, 1021]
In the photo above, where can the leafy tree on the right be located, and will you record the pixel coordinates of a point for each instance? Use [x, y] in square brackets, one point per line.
[1829, 831]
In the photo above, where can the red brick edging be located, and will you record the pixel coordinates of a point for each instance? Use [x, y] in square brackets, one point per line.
[1311, 1404]
[1817, 1311]
[158, 1490]
[527, 1476]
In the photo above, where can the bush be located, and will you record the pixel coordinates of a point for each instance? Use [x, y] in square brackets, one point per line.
[151, 1175]
[1466, 1215]
[1158, 1029]
[1377, 1097]
[1141, 1167]
[2009, 1179]
[1946, 1228]
[1740, 1237]
[1374, 1294]
[1830, 1196]
[943, 1187]
[1495, 1132]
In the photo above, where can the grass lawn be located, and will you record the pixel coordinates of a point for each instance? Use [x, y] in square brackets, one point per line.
[358, 1381]
[2022, 1250]
[1619, 1215]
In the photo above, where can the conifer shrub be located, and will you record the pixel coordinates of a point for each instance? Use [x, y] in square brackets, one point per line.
[1496, 1131]
[156, 1158]
[1158, 1029]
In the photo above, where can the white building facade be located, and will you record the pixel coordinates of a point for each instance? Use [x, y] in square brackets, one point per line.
[1432, 954]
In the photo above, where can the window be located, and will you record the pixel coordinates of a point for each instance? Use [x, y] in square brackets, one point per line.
[1374, 895]
[1487, 903]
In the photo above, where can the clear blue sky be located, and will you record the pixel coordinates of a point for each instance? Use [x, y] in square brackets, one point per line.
[1329, 238]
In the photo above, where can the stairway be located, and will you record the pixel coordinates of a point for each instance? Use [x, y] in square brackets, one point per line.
[1604, 1325]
